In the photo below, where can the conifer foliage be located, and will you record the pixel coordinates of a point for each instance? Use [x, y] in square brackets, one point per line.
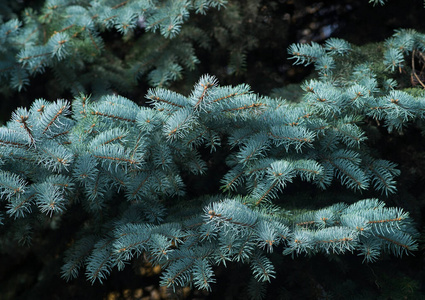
[129, 168]
[109, 152]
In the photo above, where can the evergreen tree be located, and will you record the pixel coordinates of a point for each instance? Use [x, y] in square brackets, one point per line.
[193, 182]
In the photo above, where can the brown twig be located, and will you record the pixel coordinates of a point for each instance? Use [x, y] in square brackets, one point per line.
[414, 71]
